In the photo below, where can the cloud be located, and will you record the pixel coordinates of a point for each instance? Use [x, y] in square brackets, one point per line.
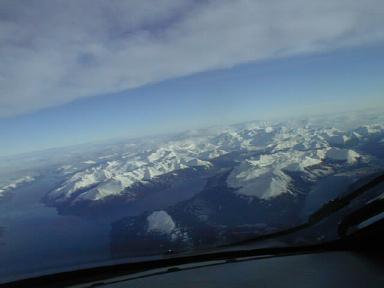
[53, 52]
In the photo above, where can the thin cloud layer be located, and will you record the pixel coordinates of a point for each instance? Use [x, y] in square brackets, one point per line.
[54, 52]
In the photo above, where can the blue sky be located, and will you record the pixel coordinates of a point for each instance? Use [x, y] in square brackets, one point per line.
[132, 68]
[342, 80]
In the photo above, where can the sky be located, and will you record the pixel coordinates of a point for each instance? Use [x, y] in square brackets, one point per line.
[80, 71]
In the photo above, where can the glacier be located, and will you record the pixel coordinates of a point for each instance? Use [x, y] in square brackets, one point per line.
[160, 222]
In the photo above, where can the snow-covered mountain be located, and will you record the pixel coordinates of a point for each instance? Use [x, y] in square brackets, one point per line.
[116, 175]
[259, 185]
[206, 186]
[265, 153]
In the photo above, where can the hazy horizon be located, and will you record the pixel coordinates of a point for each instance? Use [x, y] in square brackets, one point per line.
[273, 120]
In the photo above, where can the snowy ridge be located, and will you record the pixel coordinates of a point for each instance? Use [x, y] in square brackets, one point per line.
[14, 184]
[113, 177]
[346, 155]
[264, 176]
[273, 148]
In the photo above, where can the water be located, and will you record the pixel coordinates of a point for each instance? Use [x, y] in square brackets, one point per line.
[35, 238]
